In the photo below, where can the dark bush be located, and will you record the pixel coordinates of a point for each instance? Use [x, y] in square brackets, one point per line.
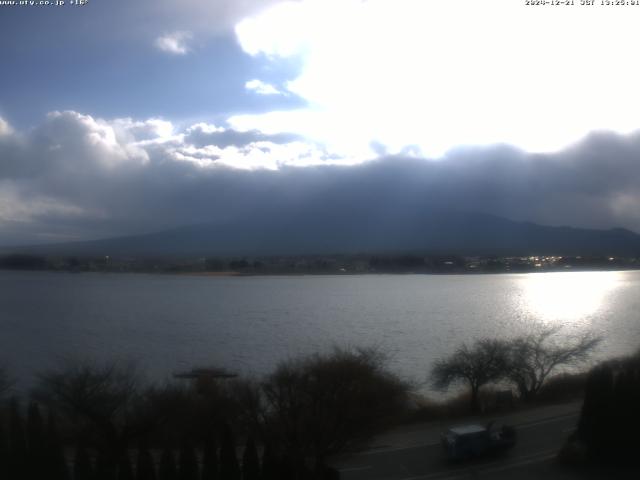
[563, 387]
[187, 461]
[324, 404]
[82, 466]
[17, 465]
[125, 471]
[270, 463]
[167, 469]
[55, 459]
[210, 465]
[229, 466]
[36, 443]
[250, 461]
[145, 467]
[610, 417]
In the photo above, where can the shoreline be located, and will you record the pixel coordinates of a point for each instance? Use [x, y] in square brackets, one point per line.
[232, 273]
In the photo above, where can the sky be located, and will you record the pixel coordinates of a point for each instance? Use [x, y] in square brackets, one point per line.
[122, 117]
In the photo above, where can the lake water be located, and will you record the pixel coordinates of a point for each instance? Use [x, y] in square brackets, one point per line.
[169, 323]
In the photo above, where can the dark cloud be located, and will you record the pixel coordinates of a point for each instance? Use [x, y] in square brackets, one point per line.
[75, 177]
[201, 135]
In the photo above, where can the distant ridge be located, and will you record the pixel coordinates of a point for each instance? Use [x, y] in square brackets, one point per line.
[353, 232]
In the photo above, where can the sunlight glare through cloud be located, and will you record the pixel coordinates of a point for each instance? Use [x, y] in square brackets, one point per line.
[438, 74]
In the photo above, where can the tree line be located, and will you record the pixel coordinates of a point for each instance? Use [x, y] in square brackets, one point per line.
[526, 362]
[35, 450]
[105, 422]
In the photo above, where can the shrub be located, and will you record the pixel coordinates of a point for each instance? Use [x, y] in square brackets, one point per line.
[610, 418]
[324, 404]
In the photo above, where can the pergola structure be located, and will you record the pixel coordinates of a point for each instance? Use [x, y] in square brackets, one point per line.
[204, 378]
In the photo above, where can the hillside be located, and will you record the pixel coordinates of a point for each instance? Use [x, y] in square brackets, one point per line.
[361, 232]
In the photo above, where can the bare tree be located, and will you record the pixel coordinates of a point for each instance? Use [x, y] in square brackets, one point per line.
[483, 362]
[104, 401]
[323, 404]
[534, 357]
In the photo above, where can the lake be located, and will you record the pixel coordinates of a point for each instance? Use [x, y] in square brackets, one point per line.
[169, 323]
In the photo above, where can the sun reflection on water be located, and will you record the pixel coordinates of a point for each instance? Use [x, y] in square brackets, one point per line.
[567, 296]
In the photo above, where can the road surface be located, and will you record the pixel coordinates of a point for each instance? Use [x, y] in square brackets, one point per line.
[415, 453]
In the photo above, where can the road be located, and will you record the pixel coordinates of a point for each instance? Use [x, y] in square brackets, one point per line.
[415, 453]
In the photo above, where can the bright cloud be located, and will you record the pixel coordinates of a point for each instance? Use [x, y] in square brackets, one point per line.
[17, 207]
[437, 74]
[75, 169]
[261, 88]
[175, 43]
[78, 176]
[73, 133]
[5, 128]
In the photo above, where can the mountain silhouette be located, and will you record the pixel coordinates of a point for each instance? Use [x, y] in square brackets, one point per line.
[319, 231]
